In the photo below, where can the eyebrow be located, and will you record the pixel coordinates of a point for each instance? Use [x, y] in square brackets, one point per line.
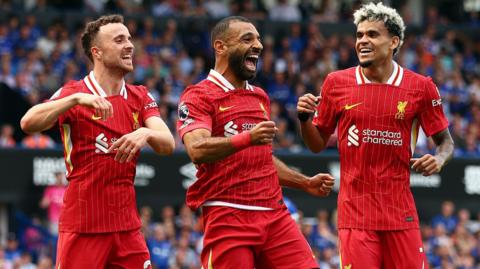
[248, 34]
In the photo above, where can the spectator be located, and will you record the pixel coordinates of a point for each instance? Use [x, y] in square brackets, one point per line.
[38, 141]
[6, 136]
[447, 218]
[52, 200]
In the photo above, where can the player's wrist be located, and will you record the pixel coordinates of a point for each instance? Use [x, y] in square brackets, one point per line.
[303, 116]
[241, 140]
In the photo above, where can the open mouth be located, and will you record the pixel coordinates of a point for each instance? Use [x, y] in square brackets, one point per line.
[251, 62]
[365, 51]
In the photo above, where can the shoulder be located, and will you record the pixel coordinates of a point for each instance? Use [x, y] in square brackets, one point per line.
[136, 90]
[203, 89]
[409, 75]
[259, 91]
[341, 77]
[71, 87]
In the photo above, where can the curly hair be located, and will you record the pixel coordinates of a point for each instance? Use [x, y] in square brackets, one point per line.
[378, 12]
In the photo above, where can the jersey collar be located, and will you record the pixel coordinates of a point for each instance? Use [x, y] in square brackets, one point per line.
[96, 89]
[222, 82]
[395, 79]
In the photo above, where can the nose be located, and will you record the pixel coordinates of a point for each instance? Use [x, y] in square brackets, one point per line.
[258, 45]
[130, 45]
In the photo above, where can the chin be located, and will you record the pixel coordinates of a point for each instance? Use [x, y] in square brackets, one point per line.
[366, 63]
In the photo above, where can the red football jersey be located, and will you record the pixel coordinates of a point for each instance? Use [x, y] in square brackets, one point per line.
[246, 179]
[377, 132]
[100, 196]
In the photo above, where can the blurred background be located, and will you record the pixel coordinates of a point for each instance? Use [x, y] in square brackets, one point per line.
[303, 41]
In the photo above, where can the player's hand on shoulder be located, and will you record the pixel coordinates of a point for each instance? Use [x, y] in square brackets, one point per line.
[320, 184]
[263, 133]
[427, 164]
[103, 108]
[306, 106]
[128, 145]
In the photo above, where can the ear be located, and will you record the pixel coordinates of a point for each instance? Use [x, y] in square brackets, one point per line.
[96, 52]
[219, 46]
[395, 42]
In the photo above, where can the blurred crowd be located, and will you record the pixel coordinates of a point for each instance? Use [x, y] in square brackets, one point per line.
[172, 52]
[174, 237]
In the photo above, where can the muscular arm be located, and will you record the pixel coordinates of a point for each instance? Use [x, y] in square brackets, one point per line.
[43, 116]
[203, 148]
[428, 164]
[313, 138]
[318, 185]
[160, 138]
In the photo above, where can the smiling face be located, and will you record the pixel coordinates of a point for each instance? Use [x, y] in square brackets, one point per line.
[374, 43]
[244, 48]
[113, 47]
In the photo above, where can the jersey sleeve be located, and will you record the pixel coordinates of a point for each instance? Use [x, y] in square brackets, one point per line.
[325, 118]
[432, 119]
[149, 106]
[195, 111]
[67, 90]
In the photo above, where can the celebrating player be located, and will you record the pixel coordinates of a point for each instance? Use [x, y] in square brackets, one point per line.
[378, 107]
[104, 123]
[224, 123]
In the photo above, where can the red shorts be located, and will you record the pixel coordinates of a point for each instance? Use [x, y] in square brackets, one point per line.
[103, 250]
[400, 249]
[236, 238]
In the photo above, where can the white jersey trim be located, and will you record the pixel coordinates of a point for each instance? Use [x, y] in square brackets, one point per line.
[394, 79]
[238, 206]
[222, 82]
[96, 89]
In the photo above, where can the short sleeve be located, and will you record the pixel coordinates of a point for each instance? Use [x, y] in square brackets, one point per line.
[67, 90]
[194, 111]
[431, 117]
[325, 116]
[149, 106]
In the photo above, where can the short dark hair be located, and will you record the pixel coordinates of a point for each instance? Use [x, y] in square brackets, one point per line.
[220, 29]
[91, 31]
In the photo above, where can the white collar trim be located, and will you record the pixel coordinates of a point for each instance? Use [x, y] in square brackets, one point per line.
[96, 89]
[223, 83]
[394, 79]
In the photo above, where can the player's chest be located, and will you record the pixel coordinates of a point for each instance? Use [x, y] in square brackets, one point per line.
[126, 118]
[238, 112]
[378, 103]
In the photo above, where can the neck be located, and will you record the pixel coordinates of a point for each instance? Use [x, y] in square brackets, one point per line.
[227, 73]
[379, 73]
[110, 81]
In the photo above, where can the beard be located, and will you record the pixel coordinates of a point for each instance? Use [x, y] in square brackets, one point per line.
[119, 66]
[366, 63]
[236, 62]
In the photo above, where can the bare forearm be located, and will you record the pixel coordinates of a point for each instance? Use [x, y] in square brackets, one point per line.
[312, 137]
[162, 142]
[210, 149]
[42, 116]
[288, 177]
[445, 146]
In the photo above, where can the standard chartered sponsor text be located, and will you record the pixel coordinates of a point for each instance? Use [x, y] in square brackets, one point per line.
[382, 137]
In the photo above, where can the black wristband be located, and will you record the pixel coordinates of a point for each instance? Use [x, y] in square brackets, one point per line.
[303, 117]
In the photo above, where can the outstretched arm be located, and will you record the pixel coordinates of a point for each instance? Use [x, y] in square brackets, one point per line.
[428, 164]
[203, 148]
[318, 185]
[43, 116]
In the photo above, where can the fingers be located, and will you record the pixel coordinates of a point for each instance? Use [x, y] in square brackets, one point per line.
[103, 108]
[263, 133]
[125, 150]
[427, 165]
[307, 103]
[321, 184]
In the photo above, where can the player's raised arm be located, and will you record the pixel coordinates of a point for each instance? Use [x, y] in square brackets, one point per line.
[428, 164]
[43, 116]
[203, 148]
[313, 138]
[318, 185]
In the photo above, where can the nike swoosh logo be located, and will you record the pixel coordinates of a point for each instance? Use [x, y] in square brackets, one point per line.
[222, 109]
[348, 107]
[95, 117]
